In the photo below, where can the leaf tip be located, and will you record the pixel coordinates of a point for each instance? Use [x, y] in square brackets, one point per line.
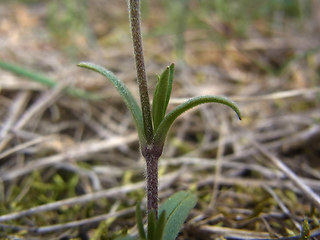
[82, 64]
[238, 112]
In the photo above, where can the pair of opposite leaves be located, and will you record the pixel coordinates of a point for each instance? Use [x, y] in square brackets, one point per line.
[161, 121]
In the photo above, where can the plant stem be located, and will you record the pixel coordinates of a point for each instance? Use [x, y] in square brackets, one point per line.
[134, 14]
[152, 184]
[149, 151]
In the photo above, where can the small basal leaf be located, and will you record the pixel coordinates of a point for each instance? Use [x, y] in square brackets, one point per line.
[177, 209]
[166, 123]
[125, 94]
[162, 95]
[151, 226]
[140, 222]
[160, 226]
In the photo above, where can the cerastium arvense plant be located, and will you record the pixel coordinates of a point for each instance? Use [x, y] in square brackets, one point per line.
[152, 126]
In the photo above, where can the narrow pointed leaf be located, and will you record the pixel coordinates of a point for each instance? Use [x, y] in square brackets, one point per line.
[162, 95]
[171, 76]
[160, 225]
[159, 98]
[140, 222]
[151, 226]
[125, 94]
[45, 80]
[166, 123]
[177, 209]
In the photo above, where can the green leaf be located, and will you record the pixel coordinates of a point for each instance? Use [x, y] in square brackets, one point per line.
[177, 208]
[151, 226]
[140, 222]
[125, 94]
[171, 76]
[40, 78]
[166, 123]
[162, 95]
[160, 226]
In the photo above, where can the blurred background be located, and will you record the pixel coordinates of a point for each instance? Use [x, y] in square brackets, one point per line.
[57, 145]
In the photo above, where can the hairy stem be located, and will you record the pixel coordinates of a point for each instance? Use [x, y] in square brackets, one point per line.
[152, 184]
[134, 12]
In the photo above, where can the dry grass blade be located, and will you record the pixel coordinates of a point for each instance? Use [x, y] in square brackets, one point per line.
[83, 222]
[230, 232]
[266, 97]
[275, 43]
[218, 166]
[166, 181]
[291, 175]
[69, 225]
[279, 95]
[24, 146]
[113, 192]
[14, 112]
[282, 206]
[79, 152]
[13, 84]
[40, 105]
[257, 183]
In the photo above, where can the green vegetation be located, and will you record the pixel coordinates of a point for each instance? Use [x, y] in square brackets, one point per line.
[153, 130]
[253, 194]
